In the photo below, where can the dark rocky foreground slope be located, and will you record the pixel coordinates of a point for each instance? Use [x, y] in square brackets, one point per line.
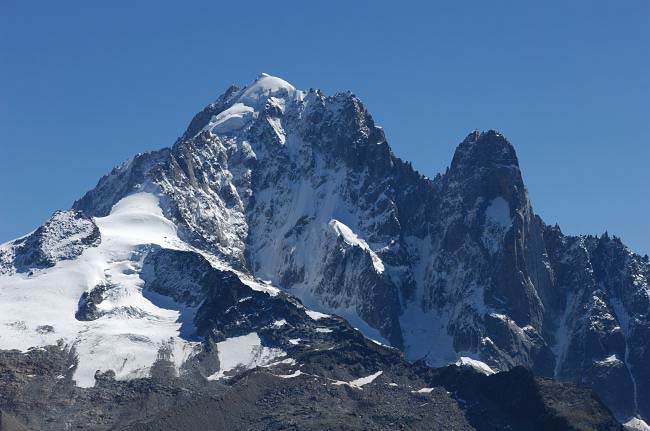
[36, 394]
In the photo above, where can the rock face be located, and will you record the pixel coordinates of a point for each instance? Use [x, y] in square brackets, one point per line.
[274, 186]
[63, 237]
[602, 335]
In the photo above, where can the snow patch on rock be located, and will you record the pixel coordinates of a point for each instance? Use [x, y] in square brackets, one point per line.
[636, 424]
[230, 120]
[290, 376]
[360, 382]
[246, 352]
[353, 239]
[497, 223]
[477, 365]
[316, 315]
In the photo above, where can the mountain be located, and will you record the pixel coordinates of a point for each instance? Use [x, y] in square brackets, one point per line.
[225, 260]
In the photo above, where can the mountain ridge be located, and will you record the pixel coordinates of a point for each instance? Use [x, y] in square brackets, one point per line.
[303, 191]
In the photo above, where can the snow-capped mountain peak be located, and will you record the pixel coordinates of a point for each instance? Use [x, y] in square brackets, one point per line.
[267, 95]
[273, 193]
[267, 86]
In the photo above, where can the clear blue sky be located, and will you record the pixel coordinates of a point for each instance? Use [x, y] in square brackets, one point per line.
[84, 85]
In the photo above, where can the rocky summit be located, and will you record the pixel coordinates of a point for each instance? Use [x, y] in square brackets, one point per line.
[278, 267]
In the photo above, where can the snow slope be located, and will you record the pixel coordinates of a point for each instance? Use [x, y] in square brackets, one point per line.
[40, 309]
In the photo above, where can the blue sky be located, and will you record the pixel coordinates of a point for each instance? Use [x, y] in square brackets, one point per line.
[85, 85]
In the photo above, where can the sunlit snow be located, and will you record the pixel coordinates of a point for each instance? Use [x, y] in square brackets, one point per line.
[245, 352]
[128, 345]
[360, 382]
[479, 366]
[354, 240]
[637, 424]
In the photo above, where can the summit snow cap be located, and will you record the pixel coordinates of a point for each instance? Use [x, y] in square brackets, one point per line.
[246, 104]
[266, 86]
